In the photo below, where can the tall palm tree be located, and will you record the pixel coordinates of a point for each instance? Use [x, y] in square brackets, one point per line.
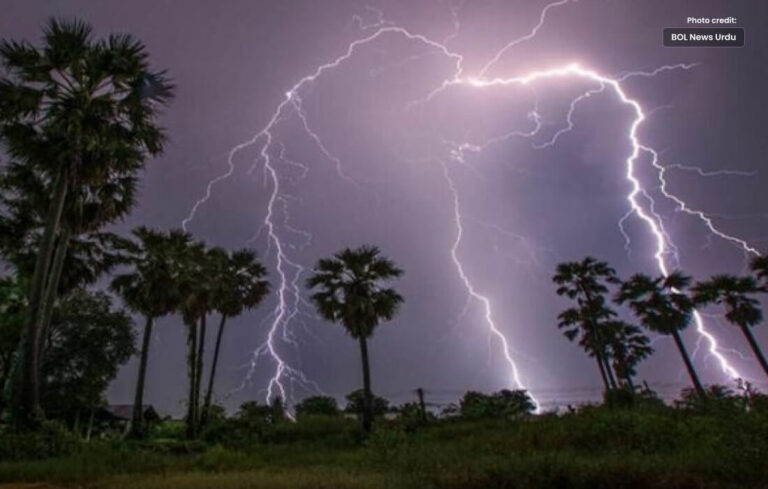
[149, 288]
[197, 291]
[587, 282]
[87, 209]
[239, 284]
[740, 309]
[661, 306]
[351, 291]
[79, 110]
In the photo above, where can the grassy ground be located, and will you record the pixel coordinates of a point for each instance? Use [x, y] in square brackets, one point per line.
[596, 448]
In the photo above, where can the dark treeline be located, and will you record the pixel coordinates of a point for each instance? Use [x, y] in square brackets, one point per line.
[78, 121]
[663, 305]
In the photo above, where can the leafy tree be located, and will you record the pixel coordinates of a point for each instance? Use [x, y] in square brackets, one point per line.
[352, 293]
[356, 404]
[741, 309]
[317, 406]
[719, 399]
[661, 306]
[412, 415]
[80, 112]
[87, 343]
[586, 282]
[150, 288]
[80, 248]
[759, 266]
[628, 347]
[13, 304]
[238, 281]
[502, 404]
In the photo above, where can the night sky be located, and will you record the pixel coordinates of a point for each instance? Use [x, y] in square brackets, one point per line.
[376, 175]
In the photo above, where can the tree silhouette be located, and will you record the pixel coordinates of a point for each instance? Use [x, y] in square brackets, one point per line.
[587, 282]
[198, 265]
[351, 292]
[80, 111]
[317, 406]
[661, 306]
[239, 284]
[628, 346]
[740, 308]
[759, 266]
[148, 288]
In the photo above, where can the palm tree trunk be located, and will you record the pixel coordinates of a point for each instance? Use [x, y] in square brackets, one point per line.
[630, 383]
[52, 287]
[605, 369]
[199, 370]
[755, 347]
[212, 376]
[689, 365]
[26, 394]
[609, 371]
[602, 372]
[137, 418]
[367, 396]
[191, 367]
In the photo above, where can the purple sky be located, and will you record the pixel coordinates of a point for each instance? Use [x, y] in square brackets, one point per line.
[524, 209]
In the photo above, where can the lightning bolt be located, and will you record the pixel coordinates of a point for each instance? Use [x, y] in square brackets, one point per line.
[473, 293]
[715, 173]
[289, 271]
[542, 18]
[647, 215]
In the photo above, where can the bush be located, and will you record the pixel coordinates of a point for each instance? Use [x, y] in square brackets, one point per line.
[52, 439]
[317, 405]
[168, 428]
[719, 400]
[329, 430]
[355, 403]
[502, 404]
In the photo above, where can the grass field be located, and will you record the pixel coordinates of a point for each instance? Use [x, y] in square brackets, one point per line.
[595, 448]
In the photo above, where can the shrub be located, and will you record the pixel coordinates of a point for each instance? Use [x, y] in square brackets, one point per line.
[52, 439]
[168, 428]
[502, 404]
[355, 403]
[317, 405]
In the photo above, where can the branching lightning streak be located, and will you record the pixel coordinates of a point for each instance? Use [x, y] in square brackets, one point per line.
[289, 271]
[713, 173]
[647, 215]
[527, 37]
[486, 303]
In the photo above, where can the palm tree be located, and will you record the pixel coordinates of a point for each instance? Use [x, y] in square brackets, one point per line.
[79, 110]
[587, 282]
[239, 284]
[740, 309]
[661, 306]
[352, 292]
[197, 291]
[629, 346]
[88, 208]
[149, 288]
[759, 266]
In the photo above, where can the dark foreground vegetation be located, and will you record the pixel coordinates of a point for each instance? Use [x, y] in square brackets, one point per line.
[720, 444]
